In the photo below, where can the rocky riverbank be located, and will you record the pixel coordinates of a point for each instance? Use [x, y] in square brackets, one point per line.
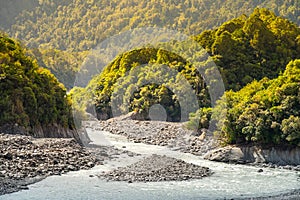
[48, 131]
[157, 168]
[293, 195]
[177, 137]
[288, 158]
[172, 135]
[25, 160]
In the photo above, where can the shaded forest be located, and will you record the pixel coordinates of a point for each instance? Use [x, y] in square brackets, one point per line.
[30, 96]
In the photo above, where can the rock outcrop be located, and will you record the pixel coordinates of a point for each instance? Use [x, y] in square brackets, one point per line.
[49, 131]
[252, 154]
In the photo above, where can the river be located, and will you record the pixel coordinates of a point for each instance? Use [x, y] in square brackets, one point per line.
[228, 181]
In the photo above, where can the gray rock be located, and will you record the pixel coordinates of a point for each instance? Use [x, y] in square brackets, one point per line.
[173, 135]
[256, 155]
[26, 158]
[157, 168]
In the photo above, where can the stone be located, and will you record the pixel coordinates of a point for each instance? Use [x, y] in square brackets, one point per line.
[23, 187]
[8, 156]
[71, 168]
[253, 154]
[26, 158]
[157, 168]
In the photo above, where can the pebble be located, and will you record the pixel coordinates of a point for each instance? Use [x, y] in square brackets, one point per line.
[172, 135]
[26, 158]
[157, 168]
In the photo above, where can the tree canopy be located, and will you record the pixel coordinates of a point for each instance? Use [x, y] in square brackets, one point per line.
[61, 31]
[244, 49]
[251, 48]
[30, 95]
[266, 111]
[139, 77]
[78, 25]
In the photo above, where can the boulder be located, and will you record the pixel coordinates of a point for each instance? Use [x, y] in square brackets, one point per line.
[253, 154]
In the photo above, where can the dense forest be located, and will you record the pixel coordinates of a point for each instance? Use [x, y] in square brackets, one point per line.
[64, 65]
[249, 48]
[245, 49]
[264, 112]
[80, 25]
[75, 26]
[30, 95]
[255, 50]
[141, 90]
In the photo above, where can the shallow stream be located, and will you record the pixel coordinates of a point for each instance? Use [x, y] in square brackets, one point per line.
[228, 181]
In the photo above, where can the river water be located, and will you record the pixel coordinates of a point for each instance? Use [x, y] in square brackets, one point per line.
[228, 181]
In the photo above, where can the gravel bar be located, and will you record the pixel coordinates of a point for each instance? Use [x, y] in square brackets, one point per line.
[157, 168]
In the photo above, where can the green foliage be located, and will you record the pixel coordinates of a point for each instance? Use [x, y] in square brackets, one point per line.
[290, 129]
[145, 77]
[200, 119]
[248, 48]
[64, 65]
[80, 25]
[80, 104]
[153, 94]
[30, 96]
[59, 31]
[265, 112]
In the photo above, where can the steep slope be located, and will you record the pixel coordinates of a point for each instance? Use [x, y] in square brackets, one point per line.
[135, 77]
[245, 49]
[32, 101]
[64, 65]
[74, 26]
[248, 48]
[79, 25]
[265, 112]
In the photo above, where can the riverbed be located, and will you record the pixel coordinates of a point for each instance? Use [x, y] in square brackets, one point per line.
[228, 181]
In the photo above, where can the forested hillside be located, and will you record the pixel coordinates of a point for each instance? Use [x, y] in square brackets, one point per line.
[251, 45]
[64, 65]
[98, 84]
[244, 49]
[78, 25]
[248, 48]
[31, 97]
[254, 50]
[53, 26]
[143, 91]
[264, 112]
